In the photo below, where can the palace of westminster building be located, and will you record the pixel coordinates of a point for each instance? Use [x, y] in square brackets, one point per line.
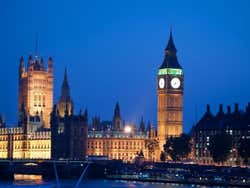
[54, 132]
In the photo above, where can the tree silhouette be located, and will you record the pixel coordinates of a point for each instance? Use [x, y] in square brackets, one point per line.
[244, 149]
[163, 156]
[140, 154]
[139, 159]
[220, 146]
[178, 148]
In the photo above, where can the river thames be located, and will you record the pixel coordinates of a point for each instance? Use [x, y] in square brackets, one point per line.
[90, 184]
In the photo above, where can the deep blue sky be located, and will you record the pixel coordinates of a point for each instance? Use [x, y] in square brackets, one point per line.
[112, 50]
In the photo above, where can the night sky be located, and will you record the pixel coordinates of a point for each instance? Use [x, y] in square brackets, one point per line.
[112, 50]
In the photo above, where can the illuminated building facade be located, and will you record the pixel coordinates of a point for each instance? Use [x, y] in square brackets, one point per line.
[16, 144]
[35, 88]
[115, 140]
[234, 123]
[117, 145]
[69, 136]
[32, 138]
[170, 95]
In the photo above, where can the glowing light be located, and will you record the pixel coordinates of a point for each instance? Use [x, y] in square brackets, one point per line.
[30, 164]
[170, 71]
[127, 129]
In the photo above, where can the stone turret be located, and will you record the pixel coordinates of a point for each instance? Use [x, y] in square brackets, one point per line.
[65, 101]
[41, 64]
[21, 67]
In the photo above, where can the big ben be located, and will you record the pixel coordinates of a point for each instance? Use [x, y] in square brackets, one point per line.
[170, 95]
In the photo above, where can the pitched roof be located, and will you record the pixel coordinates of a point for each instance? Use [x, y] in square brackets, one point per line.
[222, 121]
[170, 59]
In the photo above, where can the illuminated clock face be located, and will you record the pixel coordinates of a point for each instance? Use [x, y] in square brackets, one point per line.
[161, 83]
[175, 83]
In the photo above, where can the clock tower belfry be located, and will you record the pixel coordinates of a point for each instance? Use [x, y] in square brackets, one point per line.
[170, 95]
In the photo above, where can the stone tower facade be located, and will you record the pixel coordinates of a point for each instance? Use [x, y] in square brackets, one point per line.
[69, 132]
[65, 99]
[170, 95]
[35, 88]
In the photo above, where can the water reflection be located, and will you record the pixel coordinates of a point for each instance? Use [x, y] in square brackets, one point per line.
[34, 181]
[28, 179]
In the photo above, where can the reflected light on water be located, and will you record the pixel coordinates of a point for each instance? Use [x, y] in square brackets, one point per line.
[28, 179]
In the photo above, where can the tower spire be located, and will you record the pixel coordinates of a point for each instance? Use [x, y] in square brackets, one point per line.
[50, 65]
[142, 125]
[36, 46]
[65, 92]
[117, 110]
[171, 46]
[117, 120]
[170, 60]
[65, 98]
[65, 79]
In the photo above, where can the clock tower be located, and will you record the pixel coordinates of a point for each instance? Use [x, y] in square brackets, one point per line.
[170, 95]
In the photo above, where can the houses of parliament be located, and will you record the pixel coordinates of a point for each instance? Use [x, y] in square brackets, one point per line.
[48, 131]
